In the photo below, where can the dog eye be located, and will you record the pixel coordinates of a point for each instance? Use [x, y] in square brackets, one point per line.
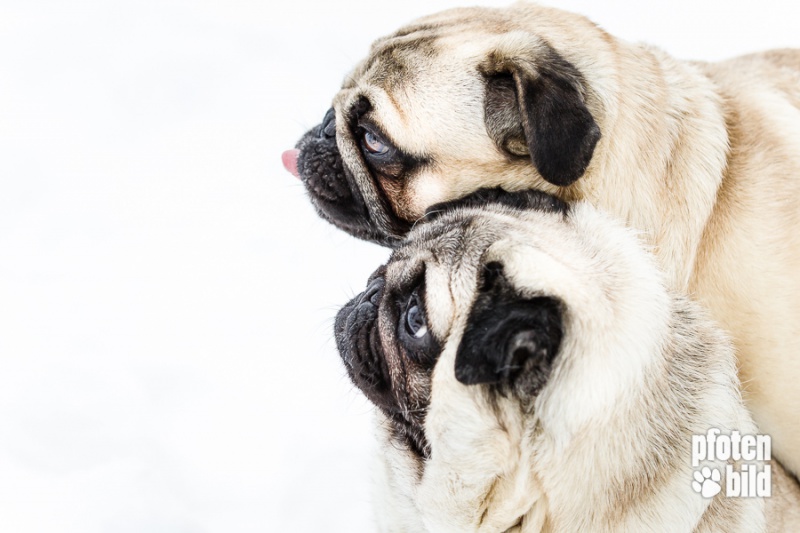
[374, 144]
[413, 334]
[415, 318]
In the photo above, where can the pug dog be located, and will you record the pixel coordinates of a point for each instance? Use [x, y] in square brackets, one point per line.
[702, 158]
[532, 372]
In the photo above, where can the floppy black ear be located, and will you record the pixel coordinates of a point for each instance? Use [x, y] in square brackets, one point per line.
[539, 110]
[508, 338]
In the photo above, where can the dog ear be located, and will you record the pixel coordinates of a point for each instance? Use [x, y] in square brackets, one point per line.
[508, 338]
[538, 110]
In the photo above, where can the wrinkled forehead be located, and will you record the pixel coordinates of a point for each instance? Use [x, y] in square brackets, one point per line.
[453, 241]
[533, 246]
[399, 57]
[421, 83]
[461, 240]
[449, 251]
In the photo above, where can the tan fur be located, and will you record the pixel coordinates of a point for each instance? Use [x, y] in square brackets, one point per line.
[605, 445]
[702, 158]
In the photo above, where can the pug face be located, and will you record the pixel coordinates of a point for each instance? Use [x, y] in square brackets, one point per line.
[390, 336]
[511, 351]
[393, 337]
[455, 102]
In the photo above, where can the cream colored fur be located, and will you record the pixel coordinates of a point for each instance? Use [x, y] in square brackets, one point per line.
[702, 158]
[607, 444]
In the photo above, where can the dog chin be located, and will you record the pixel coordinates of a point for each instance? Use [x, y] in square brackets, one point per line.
[333, 190]
[330, 188]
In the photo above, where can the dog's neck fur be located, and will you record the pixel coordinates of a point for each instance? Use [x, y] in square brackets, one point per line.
[679, 156]
[686, 396]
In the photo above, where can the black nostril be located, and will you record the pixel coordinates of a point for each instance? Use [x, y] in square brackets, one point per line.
[328, 128]
[373, 292]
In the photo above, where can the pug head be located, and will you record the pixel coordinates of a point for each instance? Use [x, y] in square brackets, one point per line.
[470, 328]
[390, 346]
[455, 102]
[531, 370]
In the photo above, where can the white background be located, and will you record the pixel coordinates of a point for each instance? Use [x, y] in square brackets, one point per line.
[166, 290]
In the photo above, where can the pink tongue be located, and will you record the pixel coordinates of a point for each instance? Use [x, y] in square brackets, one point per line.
[289, 159]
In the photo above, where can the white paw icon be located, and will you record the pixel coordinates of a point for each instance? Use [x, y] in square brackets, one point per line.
[706, 482]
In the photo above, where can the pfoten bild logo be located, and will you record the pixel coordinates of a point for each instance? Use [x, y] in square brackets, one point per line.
[742, 480]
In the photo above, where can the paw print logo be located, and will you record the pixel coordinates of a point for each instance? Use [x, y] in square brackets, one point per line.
[706, 482]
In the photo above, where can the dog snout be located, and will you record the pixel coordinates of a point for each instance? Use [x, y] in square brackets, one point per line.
[372, 295]
[328, 126]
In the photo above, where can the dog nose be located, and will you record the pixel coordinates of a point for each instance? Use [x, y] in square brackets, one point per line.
[328, 128]
[373, 292]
